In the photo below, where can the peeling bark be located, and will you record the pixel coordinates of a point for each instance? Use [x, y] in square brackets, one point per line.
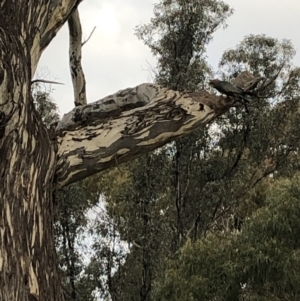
[27, 165]
[77, 74]
[28, 265]
[127, 124]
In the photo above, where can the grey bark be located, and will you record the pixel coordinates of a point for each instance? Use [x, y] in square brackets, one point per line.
[75, 54]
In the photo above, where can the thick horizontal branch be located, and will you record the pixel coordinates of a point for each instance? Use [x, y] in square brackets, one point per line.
[127, 124]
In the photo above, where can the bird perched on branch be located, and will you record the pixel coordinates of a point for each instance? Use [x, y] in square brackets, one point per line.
[229, 89]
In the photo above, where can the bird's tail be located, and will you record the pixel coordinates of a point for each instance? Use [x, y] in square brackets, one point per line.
[239, 96]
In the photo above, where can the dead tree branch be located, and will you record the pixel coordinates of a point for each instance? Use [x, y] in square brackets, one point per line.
[75, 52]
[88, 37]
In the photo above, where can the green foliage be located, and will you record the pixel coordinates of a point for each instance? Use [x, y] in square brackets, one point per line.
[259, 263]
[203, 218]
[202, 188]
[146, 206]
[261, 54]
[135, 212]
[45, 106]
[72, 204]
[178, 34]
[267, 57]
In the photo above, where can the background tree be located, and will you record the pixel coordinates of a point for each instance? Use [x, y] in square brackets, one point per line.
[143, 209]
[199, 271]
[209, 178]
[71, 219]
[259, 263]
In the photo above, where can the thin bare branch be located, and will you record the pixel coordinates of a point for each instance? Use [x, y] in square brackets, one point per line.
[88, 37]
[45, 81]
[78, 78]
[272, 80]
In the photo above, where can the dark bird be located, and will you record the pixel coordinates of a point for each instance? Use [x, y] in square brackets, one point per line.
[229, 89]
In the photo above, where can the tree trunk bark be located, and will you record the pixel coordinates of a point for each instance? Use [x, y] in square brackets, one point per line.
[28, 268]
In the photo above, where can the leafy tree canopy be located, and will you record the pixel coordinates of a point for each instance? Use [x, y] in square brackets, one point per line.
[261, 262]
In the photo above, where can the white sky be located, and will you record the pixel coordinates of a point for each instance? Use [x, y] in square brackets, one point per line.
[115, 59]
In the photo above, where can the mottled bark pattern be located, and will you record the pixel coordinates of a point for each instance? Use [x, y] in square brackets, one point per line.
[127, 124]
[28, 269]
[77, 74]
[27, 169]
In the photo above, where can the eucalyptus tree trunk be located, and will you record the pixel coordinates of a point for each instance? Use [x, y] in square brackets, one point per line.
[28, 265]
[35, 160]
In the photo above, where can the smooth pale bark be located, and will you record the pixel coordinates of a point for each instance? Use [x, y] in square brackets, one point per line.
[75, 53]
[89, 139]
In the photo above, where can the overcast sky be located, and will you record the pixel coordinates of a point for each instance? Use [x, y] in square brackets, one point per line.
[115, 59]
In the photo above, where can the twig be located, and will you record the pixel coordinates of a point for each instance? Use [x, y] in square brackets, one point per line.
[45, 81]
[88, 37]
